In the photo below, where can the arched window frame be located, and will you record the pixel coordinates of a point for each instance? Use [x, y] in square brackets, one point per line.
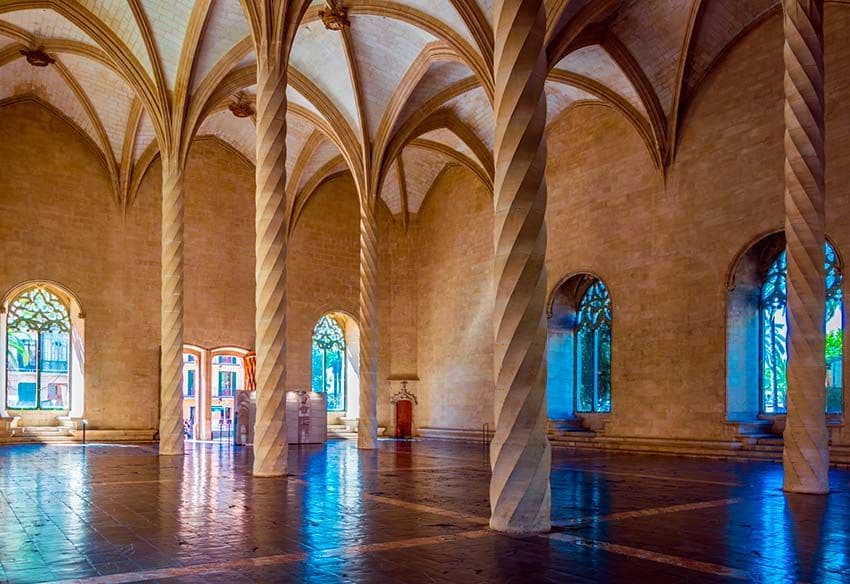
[594, 326]
[773, 301]
[329, 335]
[52, 316]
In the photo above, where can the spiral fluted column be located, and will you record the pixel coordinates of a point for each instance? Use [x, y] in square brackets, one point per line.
[171, 333]
[367, 424]
[270, 427]
[520, 497]
[806, 453]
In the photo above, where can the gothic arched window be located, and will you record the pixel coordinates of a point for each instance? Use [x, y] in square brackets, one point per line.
[593, 351]
[38, 342]
[329, 362]
[774, 330]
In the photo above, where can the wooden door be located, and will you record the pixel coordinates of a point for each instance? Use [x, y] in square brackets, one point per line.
[404, 418]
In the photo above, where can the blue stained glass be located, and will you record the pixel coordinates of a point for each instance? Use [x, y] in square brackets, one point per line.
[328, 362]
[593, 351]
[774, 331]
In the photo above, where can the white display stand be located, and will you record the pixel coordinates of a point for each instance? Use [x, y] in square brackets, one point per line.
[306, 417]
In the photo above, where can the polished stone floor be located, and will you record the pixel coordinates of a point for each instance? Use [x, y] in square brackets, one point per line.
[409, 512]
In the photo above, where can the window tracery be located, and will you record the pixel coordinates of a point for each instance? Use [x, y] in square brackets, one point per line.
[328, 359]
[38, 339]
[774, 332]
[593, 351]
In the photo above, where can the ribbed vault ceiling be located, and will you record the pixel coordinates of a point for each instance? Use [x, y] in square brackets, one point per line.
[404, 92]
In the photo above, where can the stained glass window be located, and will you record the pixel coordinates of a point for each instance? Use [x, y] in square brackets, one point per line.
[328, 357]
[38, 341]
[774, 332]
[593, 351]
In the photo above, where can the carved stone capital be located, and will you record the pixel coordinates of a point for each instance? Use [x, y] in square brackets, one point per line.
[335, 19]
[37, 57]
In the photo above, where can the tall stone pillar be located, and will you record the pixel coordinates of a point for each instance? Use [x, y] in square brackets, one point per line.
[520, 498]
[270, 446]
[171, 334]
[806, 453]
[367, 424]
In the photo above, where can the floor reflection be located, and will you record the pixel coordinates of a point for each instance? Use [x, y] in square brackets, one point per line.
[410, 511]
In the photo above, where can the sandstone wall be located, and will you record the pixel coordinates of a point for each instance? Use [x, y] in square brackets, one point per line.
[665, 247]
[58, 222]
[455, 303]
[51, 177]
[219, 244]
[324, 276]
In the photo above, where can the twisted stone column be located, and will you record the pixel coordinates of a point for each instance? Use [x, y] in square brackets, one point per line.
[806, 453]
[520, 498]
[367, 424]
[171, 332]
[270, 427]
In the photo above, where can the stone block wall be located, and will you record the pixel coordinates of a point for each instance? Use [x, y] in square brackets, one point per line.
[219, 244]
[455, 303]
[58, 222]
[665, 246]
[322, 270]
[51, 178]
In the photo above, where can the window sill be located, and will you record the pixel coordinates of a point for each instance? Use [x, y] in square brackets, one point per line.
[27, 410]
[831, 419]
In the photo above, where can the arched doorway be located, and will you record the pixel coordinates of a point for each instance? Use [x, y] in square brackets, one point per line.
[211, 378]
[43, 334]
[227, 377]
[335, 366]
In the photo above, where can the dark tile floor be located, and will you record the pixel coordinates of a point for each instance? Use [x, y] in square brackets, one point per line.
[409, 512]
